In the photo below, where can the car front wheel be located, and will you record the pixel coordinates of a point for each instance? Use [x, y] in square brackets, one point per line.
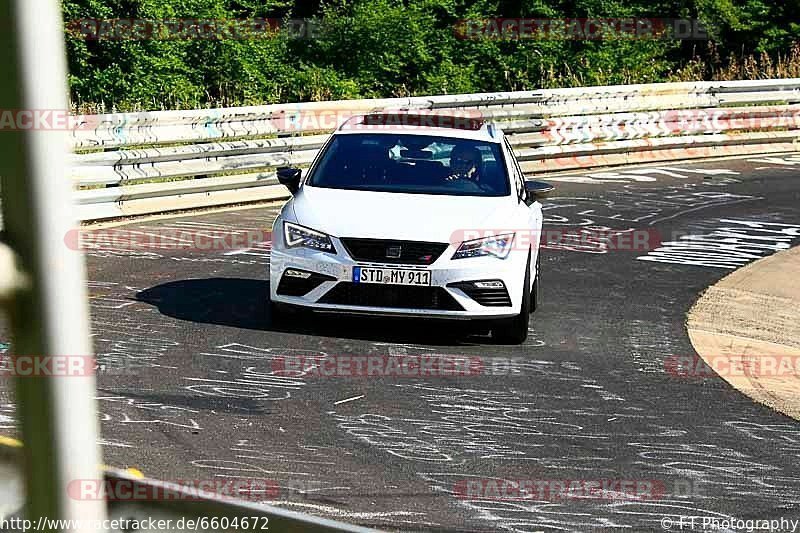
[535, 290]
[514, 330]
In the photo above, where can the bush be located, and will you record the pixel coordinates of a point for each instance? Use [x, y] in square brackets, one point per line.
[385, 48]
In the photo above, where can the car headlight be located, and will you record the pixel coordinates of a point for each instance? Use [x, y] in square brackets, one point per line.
[297, 236]
[496, 245]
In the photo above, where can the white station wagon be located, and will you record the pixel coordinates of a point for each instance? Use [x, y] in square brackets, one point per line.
[400, 217]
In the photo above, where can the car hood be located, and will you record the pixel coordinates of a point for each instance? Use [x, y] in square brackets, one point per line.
[388, 215]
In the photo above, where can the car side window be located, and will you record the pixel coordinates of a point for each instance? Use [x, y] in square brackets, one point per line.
[516, 171]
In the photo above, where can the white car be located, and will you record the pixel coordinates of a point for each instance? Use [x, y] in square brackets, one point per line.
[399, 216]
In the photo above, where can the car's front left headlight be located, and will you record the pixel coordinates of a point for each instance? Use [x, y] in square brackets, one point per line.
[297, 236]
[496, 245]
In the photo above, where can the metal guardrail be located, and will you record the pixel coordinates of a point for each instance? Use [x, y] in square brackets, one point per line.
[163, 161]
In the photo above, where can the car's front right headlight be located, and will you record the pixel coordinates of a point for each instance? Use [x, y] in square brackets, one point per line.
[297, 236]
[496, 245]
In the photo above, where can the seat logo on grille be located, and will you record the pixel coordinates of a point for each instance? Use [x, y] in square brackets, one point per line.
[394, 252]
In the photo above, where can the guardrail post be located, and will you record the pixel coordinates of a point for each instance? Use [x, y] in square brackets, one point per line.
[49, 315]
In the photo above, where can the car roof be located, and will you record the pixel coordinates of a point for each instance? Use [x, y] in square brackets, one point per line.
[462, 126]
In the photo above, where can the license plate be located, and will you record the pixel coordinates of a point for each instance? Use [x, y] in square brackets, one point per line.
[391, 276]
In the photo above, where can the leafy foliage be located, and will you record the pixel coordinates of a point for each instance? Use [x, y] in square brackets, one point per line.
[383, 48]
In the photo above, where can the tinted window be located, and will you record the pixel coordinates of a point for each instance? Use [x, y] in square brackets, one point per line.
[412, 164]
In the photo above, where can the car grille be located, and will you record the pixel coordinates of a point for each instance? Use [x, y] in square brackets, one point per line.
[394, 296]
[485, 297]
[380, 250]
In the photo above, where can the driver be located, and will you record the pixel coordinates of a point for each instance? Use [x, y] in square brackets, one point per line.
[465, 164]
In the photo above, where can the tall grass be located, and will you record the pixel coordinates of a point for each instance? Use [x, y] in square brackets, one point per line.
[741, 67]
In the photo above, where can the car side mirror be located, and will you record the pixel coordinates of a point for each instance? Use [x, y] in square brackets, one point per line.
[537, 190]
[290, 177]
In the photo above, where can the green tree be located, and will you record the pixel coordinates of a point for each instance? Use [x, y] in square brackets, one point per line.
[380, 48]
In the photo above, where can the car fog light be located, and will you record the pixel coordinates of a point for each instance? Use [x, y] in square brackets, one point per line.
[489, 284]
[297, 274]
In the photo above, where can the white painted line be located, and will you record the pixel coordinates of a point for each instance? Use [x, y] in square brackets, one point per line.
[698, 208]
[705, 171]
[348, 400]
[655, 171]
[775, 161]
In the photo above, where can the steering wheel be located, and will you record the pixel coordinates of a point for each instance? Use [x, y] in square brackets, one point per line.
[465, 185]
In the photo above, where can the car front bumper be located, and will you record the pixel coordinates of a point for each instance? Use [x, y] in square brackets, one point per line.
[454, 302]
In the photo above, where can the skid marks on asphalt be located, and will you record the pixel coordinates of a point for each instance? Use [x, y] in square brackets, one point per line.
[642, 175]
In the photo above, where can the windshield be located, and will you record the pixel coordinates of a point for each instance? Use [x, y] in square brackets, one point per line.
[417, 164]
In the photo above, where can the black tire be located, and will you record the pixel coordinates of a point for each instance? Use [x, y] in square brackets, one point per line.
[514, 330]
[535, 289]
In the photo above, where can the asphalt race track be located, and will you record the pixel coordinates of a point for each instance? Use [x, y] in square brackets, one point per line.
[188, 387]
